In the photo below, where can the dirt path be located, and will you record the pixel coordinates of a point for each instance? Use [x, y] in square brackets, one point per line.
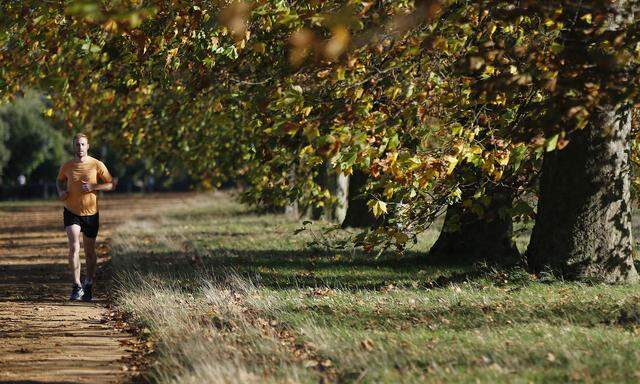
[43, 336]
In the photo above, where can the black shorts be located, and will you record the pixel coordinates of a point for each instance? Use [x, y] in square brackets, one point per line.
[88, 224]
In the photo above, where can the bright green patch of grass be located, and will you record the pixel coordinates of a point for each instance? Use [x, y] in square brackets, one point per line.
[228, 295]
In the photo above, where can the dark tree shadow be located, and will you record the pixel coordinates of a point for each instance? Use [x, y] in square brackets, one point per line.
[300, 268]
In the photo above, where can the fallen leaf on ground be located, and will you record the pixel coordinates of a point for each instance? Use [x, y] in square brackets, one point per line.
[367, 344]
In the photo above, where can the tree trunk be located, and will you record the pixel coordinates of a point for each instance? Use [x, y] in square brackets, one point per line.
[338, 184]
[583, 224]
[292, 208]
[358, 214]
[310, 211]
[467, 236]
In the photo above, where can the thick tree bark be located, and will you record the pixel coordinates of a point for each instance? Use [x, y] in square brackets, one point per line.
[583, 224]
[358, 214]
[469, 237]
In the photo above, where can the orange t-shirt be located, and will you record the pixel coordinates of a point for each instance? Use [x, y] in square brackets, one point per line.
[79, 202]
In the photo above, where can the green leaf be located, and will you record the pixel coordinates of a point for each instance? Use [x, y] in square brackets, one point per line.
[551, 143]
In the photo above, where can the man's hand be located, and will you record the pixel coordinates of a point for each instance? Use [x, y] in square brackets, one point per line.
[110, 186]
[63, 195]
[87, 187]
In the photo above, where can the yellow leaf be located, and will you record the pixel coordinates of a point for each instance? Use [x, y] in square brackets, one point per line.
[489, 70]
[476, 149]
[452, 162]
[492, 30]
[395, 92]
[500, 99]
[502, 158]
[378, 207]
[414, 162]
[388, 192]
[392, 157]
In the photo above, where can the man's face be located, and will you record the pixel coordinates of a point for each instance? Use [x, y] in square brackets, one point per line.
[81, 146]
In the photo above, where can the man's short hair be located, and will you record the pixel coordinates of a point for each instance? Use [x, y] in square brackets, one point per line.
[79, 136]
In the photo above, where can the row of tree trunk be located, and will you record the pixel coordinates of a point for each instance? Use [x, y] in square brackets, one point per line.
[583, 223]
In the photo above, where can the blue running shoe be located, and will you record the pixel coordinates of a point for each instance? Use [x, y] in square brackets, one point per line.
[87, 295]
[76, 292]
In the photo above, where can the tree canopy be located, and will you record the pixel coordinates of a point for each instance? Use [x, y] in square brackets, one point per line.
[434, 101]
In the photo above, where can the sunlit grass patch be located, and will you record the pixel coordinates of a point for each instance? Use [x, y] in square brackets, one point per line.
[230, 296]
[206, 334]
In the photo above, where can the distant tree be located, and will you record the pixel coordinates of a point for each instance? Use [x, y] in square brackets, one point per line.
[33, 147]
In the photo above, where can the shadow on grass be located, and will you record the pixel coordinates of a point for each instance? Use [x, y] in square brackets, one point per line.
[300, 268]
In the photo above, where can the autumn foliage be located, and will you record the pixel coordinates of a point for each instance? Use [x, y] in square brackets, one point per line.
[435, 101]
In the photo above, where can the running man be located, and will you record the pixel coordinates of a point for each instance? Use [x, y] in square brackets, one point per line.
[77, 185]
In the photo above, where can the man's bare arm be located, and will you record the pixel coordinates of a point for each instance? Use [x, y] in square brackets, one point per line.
[61, 186]
[86, 187]
[103, 187]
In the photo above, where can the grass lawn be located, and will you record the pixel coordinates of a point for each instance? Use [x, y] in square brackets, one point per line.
[226, 295]
[9, 205]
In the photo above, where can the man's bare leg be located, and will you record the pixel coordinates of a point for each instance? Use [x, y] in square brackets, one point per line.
[90, 255]
[73, 235]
